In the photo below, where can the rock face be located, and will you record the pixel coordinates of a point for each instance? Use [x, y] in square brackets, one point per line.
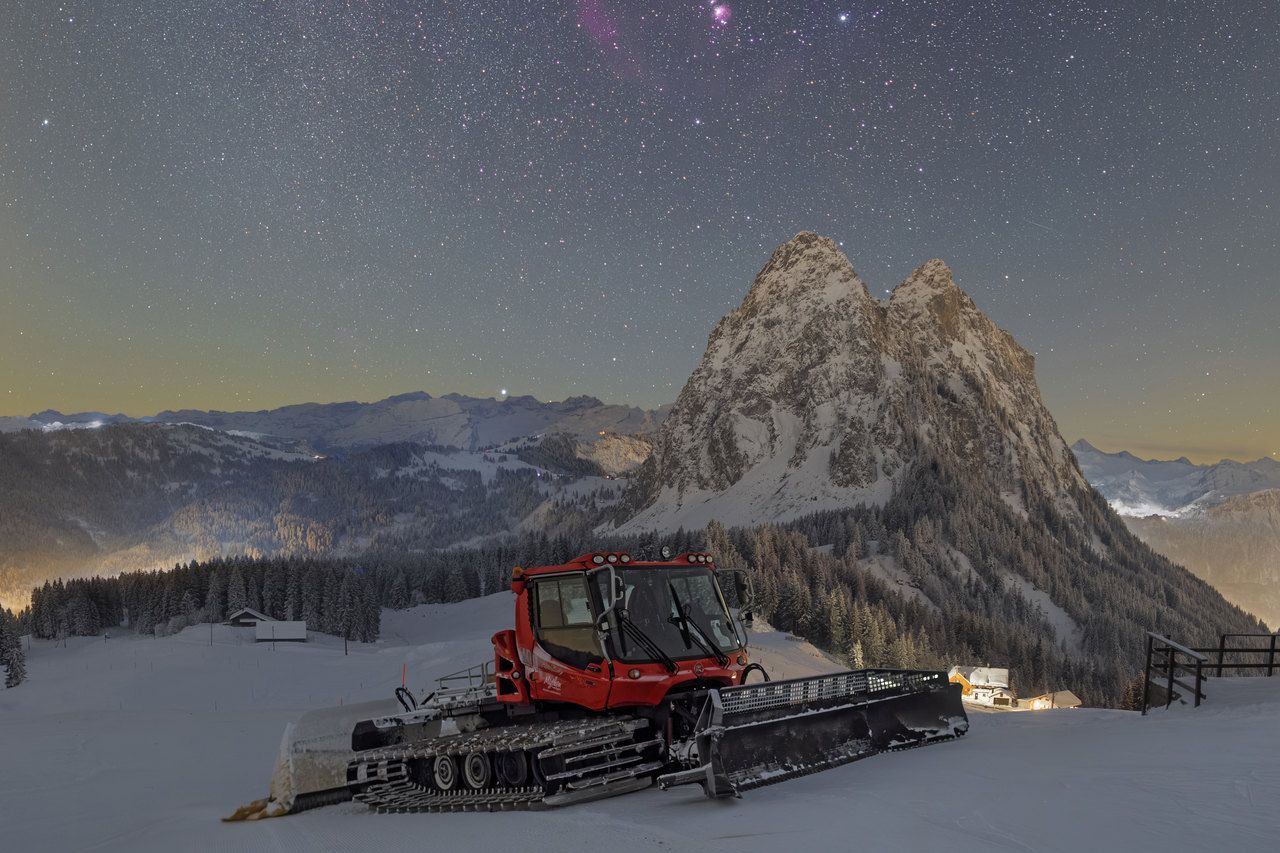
[813, 395]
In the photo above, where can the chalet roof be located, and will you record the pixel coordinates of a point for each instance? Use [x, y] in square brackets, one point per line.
[1060, 699]
[982, 676]
[249, 611]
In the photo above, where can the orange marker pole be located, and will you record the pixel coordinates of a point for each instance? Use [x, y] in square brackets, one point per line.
[404, 674]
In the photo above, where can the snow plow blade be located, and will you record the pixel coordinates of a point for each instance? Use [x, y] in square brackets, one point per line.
[759, 734]
[311, 766]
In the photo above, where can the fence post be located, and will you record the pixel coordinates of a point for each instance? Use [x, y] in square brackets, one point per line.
[1271, 657]
[1168, 697]
[1146, 678]
[1222, 648]
[1198, 665]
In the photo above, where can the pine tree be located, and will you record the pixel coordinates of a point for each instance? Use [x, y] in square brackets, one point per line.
[313, 597]
[292, 602]
[856, 658]
[273, 593]
[215, 600]
[399, 593]
[12, 658]
[236, 599]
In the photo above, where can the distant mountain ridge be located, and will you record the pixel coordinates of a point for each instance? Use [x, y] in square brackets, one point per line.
[1140, 487]
[1221, 521]
[143, 496]
[453, 420]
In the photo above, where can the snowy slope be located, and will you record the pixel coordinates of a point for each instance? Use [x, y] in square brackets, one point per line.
[141, 744]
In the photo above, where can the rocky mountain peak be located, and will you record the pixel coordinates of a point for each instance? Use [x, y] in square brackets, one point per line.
[812, 395]
[930, 278]
[929, 297]
[807, 266]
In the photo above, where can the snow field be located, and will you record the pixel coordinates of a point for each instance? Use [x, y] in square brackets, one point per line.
[143, 744]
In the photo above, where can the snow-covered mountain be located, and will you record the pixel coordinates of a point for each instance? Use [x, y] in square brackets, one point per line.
[813, 395]
[918, 425]
[1176, 487]
[143, 496]
[454, 420]
[1222, 521]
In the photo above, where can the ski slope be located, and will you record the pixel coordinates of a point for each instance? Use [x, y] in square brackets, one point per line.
[142, 744]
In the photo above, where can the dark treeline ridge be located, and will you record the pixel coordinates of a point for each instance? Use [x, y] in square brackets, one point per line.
[937, 576]
[333, 596]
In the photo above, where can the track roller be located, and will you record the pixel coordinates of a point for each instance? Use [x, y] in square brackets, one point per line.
[477, 771]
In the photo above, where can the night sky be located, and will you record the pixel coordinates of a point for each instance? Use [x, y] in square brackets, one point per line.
[223, 204]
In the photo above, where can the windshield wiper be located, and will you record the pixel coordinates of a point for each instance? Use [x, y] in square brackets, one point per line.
[698, 635]
[646, 642]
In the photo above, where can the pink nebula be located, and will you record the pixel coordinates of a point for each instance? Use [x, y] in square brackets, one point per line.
[721, 13]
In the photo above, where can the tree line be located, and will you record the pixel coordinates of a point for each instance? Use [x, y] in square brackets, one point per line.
[332, 596]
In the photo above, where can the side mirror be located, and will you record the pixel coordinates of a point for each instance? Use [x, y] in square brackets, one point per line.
[745, 588]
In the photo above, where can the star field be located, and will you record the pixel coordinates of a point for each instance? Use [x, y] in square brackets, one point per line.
[242, 204]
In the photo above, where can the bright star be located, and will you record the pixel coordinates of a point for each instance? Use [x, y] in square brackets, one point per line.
[44, 123]
[844, 17]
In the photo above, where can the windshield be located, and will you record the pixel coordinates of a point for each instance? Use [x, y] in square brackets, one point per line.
[649, 603]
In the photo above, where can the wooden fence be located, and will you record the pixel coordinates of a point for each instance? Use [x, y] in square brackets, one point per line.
[1172, 665]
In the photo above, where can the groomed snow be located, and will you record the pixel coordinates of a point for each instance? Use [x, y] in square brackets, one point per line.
[142, 744]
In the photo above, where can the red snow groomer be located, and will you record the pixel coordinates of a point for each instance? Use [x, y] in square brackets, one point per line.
[618, 672]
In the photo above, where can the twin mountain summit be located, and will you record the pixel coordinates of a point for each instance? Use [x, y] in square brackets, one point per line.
[812, 399]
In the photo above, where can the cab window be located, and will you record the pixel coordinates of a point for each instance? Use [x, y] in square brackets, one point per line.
[563, 620]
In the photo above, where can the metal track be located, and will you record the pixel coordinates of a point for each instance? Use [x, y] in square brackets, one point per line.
[591, 759]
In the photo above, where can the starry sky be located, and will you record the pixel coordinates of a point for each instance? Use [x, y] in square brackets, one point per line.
[246, 203]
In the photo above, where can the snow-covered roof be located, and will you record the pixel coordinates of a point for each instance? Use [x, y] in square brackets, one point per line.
[982, 676]
[249, 611]
[1059, 699]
